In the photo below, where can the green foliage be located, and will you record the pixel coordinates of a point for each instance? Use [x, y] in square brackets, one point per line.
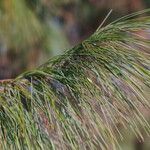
[19, 27]
[23, 28]
[84, 98]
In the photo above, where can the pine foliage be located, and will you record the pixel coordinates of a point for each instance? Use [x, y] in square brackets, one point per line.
[85, 97]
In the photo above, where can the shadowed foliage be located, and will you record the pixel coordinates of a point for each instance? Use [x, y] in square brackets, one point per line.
[84, 98]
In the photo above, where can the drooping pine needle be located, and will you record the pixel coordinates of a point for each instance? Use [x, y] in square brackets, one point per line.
[84, 98]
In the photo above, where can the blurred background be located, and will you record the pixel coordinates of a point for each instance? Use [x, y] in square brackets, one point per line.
[32, 31]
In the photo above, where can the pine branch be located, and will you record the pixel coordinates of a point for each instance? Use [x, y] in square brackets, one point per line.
[82, 99]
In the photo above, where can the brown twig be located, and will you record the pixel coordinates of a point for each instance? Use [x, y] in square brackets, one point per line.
[6, 81]
[3, 82]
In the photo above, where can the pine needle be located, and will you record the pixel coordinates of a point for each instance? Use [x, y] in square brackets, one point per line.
[84, 98]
